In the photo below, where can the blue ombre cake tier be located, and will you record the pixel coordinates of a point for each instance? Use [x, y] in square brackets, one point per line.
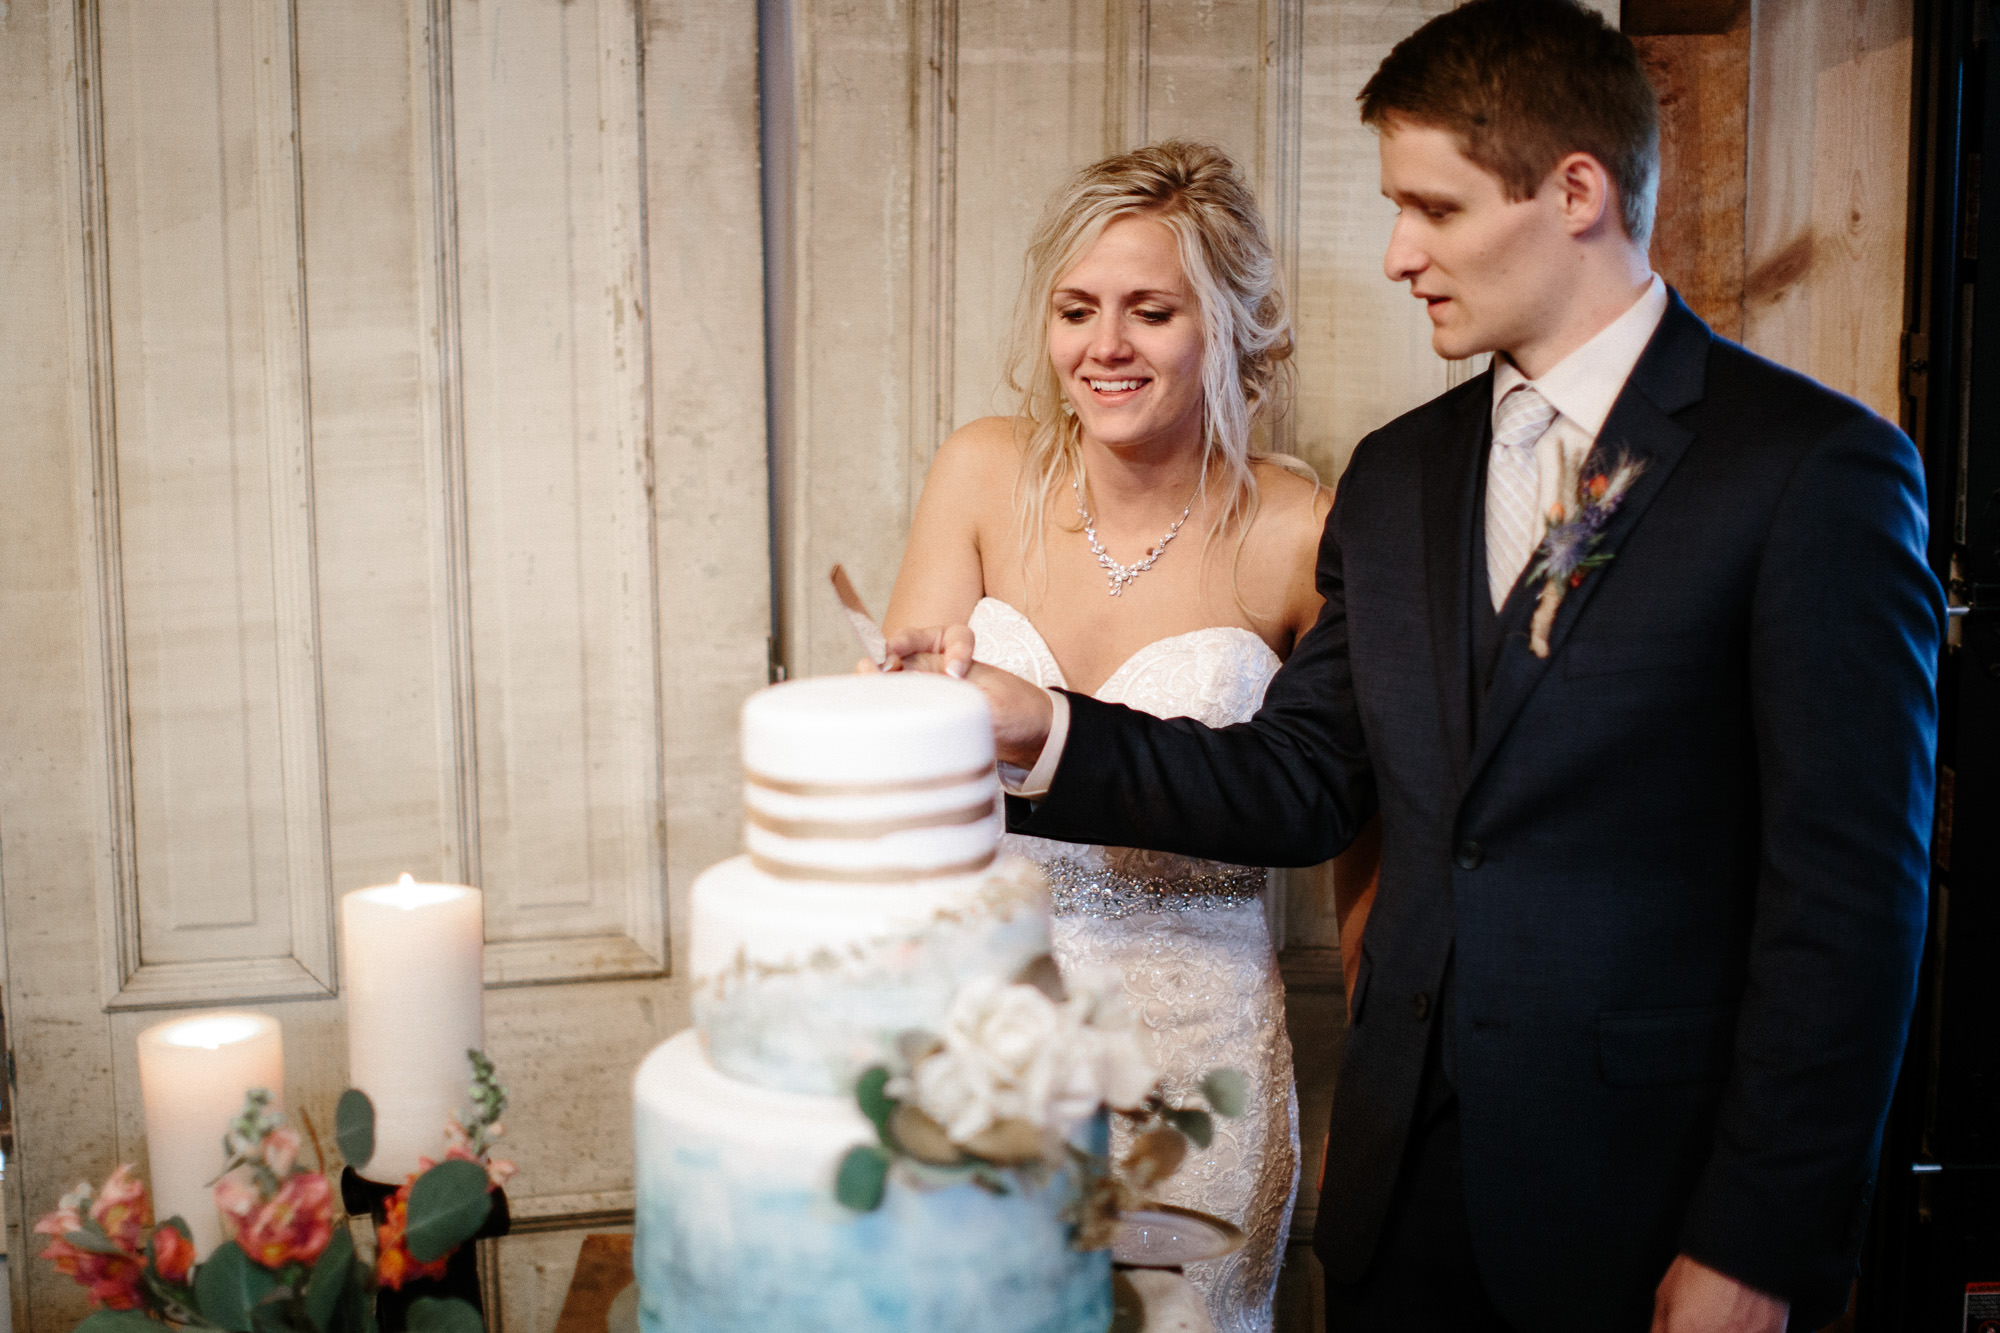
[739, 1231]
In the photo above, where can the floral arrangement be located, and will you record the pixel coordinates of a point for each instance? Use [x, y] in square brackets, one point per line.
[1008, 1086]
[289, 1262]
[1575, 530]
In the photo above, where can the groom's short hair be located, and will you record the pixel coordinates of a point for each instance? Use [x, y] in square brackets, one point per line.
[1523, 83]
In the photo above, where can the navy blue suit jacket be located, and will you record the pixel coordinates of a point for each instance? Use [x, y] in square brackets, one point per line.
[1678, 869]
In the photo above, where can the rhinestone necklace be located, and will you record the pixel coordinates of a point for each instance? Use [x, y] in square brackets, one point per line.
[1120, 575]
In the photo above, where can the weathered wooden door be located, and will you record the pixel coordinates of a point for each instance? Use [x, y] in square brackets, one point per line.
[384, 491]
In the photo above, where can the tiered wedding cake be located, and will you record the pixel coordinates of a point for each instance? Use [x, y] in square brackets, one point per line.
[869, 898]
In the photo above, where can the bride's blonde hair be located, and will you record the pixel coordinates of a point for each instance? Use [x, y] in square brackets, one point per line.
[1199, 194]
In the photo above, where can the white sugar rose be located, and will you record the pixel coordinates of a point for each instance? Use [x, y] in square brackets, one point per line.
[1001, 1048]
[1009, 1052]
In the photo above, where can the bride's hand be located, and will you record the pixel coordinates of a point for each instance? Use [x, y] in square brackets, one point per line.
[946, 648]
[1021, 711]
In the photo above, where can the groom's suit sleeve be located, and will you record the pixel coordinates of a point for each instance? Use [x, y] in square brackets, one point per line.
[1291, 786]
[1844, 626]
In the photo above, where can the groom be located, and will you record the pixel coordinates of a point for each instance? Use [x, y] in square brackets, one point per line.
[1634, 989]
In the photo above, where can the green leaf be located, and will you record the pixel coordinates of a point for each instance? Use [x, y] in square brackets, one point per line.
[1227, 1091]
[875, 1103]
[329, 1274]
[1195, 1124]
[90, 1236]
[864, 1175]
[447, 1205]
[119, 1321]
[228, 1286]
[442, 1314]
[354, 1309]
[354, 1127]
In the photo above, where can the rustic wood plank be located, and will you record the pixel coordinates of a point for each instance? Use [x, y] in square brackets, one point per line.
[1828, 191]
[1704, 83]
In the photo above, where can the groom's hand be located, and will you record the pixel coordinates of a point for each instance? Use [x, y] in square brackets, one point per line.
[1021, 711]
[1694, 1298]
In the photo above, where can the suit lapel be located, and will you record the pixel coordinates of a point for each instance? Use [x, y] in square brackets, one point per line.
[1450, 489]
[1667, 378]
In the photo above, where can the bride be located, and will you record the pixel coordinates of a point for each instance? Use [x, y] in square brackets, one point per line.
[1120, 536]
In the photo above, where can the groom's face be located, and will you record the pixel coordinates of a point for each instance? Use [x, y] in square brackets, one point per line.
[1490, 270]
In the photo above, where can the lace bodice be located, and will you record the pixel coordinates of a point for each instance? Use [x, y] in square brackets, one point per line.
[1215, 675]
[1188, 939]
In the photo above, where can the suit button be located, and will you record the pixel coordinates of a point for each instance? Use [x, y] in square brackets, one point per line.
[1469, 856]
[1421, 1003]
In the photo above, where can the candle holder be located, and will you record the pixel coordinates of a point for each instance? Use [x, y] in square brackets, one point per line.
[360, 1195]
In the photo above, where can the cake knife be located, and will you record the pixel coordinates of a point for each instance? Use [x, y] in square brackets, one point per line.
[865, 628]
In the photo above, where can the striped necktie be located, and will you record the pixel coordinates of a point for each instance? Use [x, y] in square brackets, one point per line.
[1513, 528]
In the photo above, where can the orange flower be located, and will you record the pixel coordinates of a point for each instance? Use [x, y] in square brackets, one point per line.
[1597, 485]
[116, 1281]
[173, 1254]
[394, 1264]
[294, 1224]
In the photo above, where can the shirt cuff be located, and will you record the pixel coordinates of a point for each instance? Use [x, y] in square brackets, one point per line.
[1035, 783]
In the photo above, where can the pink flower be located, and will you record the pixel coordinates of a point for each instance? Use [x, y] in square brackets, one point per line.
[123, 1210]
[173, 1254]
[281, 1149]
[293, 1225]
[116, 1281]
[458, 1147]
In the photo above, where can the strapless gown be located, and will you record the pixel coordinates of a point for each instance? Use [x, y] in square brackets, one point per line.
[1189, 939]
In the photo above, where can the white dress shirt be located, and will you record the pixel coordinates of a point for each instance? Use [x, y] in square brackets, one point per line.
[1581, 387]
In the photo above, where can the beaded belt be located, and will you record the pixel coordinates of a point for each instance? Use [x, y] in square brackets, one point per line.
[1079, 890]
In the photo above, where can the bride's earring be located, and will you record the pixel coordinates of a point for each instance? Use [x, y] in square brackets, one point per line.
[1069, 408]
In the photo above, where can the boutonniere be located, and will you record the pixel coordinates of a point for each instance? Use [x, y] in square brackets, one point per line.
[1576, 522]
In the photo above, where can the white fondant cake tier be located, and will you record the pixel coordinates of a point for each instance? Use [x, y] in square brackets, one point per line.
[802, 986]
[869, 779]
[739, 1230]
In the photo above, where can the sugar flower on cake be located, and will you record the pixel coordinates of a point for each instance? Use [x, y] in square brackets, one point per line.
[1010, 1052]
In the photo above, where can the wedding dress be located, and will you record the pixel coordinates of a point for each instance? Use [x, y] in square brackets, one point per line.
[1190, 941]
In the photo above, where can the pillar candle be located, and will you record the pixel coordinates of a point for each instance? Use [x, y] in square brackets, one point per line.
[413, 957]
[193, 1072]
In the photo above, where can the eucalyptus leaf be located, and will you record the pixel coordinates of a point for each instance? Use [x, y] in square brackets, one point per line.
[329, 1274]
[1195, 1124]
[1155, 1155]
[922, 1137]
[118, 1321]
[1042, 973]
[228, 1287]
[448, 1204]
[443, 1314]
[1010, 1142]
[863, 1178]
[354, 1127]
[354, 1309]
[1227, 1091]
[874, 1101]
[914, 1046]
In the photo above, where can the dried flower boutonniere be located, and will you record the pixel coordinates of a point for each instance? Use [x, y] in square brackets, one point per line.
[1575, 527]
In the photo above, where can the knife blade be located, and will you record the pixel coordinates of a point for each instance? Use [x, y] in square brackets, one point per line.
[872, 639]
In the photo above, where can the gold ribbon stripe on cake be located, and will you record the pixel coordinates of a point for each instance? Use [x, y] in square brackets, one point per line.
[792, 787]
[868, 874]
[860, 830]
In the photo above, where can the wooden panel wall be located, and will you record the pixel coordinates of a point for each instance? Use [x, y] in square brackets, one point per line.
[387, 491]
